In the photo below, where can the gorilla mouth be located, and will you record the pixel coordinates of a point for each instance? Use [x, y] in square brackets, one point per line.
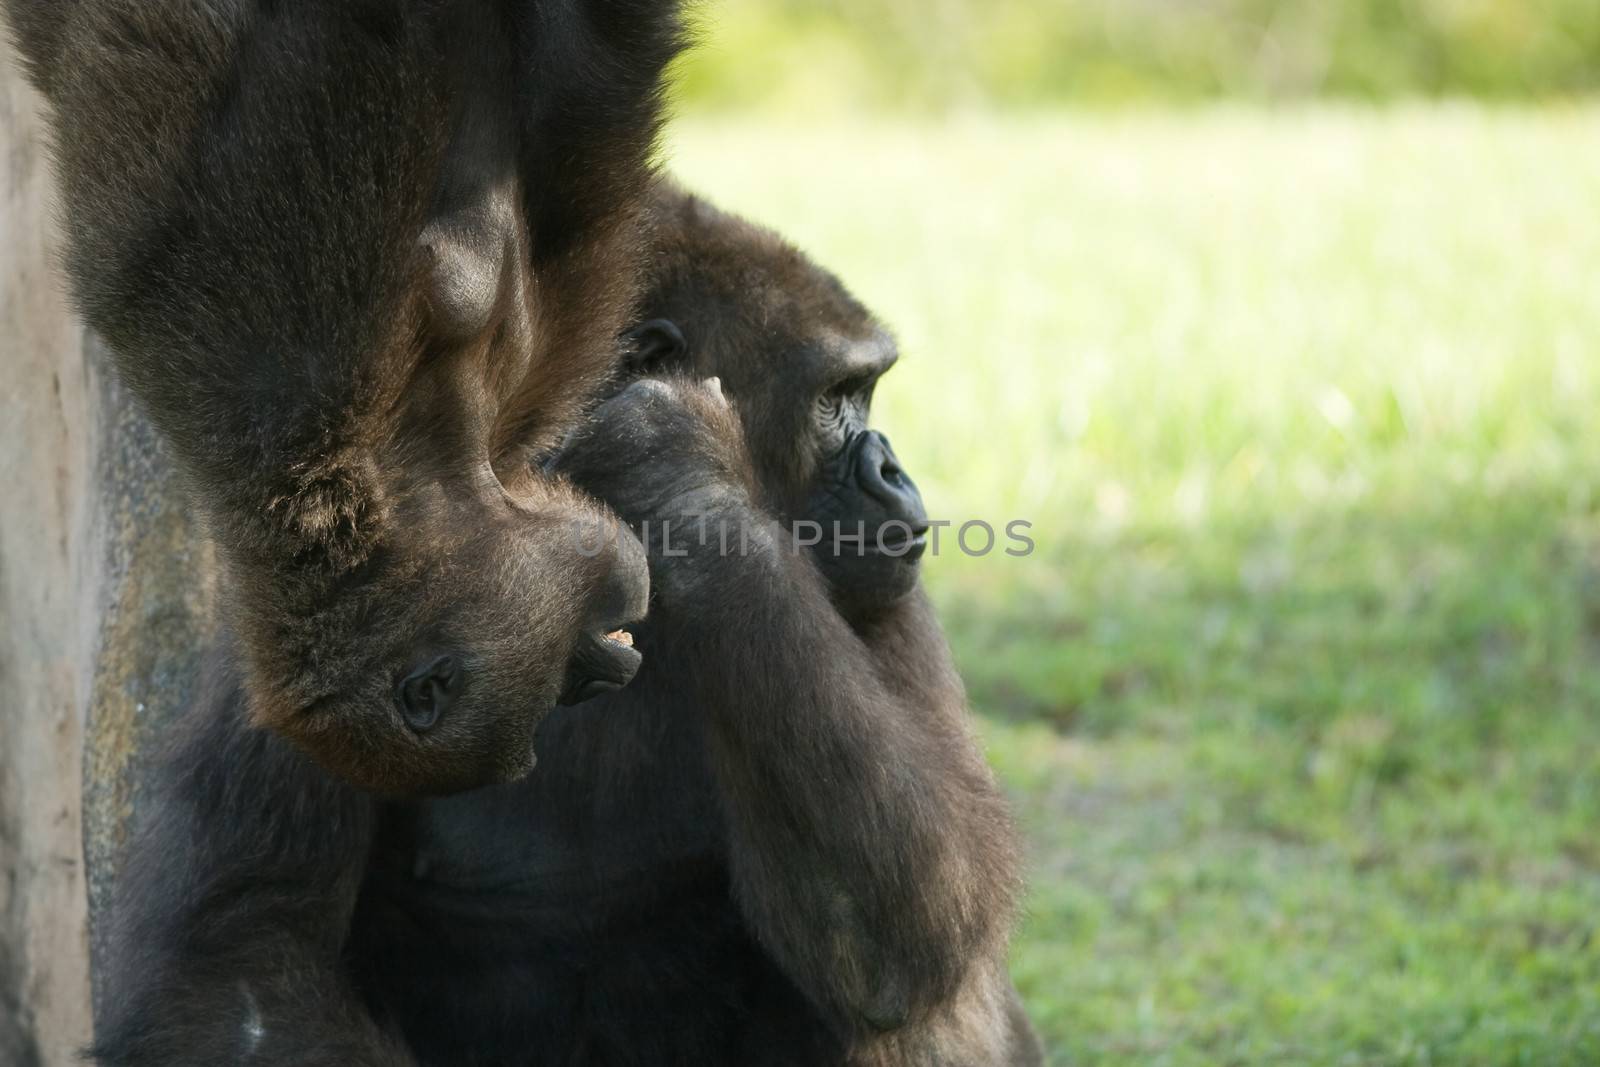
[602, 662]
[908, 547]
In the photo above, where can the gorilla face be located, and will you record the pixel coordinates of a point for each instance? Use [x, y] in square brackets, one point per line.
[874, 527]
[873, 523]
[800, 358]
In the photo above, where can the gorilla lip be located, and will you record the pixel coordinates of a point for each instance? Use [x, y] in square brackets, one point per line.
[909, 548]
[603, 662]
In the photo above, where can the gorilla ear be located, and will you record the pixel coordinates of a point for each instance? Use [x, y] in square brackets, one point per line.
[654, 345]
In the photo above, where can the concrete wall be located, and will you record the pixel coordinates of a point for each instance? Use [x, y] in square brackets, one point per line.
[105, 596]
[45, 572]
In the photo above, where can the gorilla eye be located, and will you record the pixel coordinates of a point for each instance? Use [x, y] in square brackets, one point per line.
[427, 692]
[830, 405]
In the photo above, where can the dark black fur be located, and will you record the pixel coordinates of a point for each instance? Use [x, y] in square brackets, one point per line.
[779, 845]
[360, 260]
[807, 700]
[234, 904]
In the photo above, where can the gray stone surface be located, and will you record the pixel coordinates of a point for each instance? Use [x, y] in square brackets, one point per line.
[46, 576]
[105, 597]
[153, 604]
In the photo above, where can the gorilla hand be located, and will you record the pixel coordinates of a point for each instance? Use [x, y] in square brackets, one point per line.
[661, 450]
[668, 456]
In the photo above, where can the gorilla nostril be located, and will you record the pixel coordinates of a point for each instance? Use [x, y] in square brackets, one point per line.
[883, 478]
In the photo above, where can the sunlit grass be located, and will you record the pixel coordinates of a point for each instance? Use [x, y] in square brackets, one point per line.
[1300, 695]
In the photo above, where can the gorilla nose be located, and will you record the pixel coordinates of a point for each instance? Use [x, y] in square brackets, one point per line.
[885, 481]
[603, 658]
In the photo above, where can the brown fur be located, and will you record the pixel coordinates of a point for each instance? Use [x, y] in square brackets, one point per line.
[871, 856]
[360, 261]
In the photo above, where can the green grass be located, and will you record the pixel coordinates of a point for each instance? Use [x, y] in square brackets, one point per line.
[1299, 697]
[836, 55]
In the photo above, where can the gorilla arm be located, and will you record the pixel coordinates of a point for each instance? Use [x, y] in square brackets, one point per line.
[231, 913]
[870, 849]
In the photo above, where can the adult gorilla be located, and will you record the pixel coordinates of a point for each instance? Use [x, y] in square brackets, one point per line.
[359, 261]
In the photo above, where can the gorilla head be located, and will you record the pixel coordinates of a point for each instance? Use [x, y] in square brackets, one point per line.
[800, 357]
[427, 667]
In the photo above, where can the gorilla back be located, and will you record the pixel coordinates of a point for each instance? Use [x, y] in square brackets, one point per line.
[359, 261]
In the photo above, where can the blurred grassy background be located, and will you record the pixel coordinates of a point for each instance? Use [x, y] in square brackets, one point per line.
[838, 55]
[1299, 697]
